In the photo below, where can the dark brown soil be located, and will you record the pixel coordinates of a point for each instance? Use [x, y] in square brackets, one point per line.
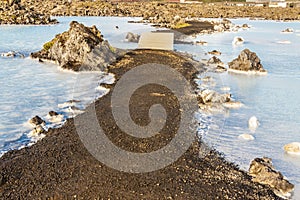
[195, 27]
[60, 167]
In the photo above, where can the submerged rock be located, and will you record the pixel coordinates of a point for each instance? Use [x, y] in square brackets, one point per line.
[215, 52]
[246, 136]
[203, 43]
[36, 120]
[247, 61]
[37, 131]
[216, 61]
[210, 96]
[292, 148]
[12, 54]
[54, 117]
[80, 48]
[263, 171]
[238, 40]
[288, 30]
[131, 37]
[253, 123]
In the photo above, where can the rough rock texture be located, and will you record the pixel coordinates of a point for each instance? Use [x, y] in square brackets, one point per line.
[13, 12]
[215, 61]
[160, 11]
[210, 96]
[247, 61]
[132, 37]
[59, 166]
[80, 48]
[263, 171]
[36, 120]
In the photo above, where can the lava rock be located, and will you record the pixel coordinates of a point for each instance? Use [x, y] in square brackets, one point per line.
[80, 48]
[36, 120]
[247, 61]
[131, 37]
[263, 171]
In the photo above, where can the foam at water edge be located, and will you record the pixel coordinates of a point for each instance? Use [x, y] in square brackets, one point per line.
[247, 72]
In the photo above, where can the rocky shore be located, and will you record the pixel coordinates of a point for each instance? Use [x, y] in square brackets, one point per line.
[171, 15]
[59, 166]
[161, 11]
[13, 12]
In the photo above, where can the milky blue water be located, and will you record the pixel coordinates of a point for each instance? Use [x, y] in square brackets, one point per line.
[274, 99]
[31, 88]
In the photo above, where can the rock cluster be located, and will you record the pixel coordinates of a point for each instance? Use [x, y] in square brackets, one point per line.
[13, 12]
[12, 54]
[165, 14]
[80, 48]
[247, 61]
[263, 171]
[38, 125]
[161, 12]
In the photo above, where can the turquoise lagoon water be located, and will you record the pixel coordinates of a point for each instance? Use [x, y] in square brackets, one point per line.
[31, 88]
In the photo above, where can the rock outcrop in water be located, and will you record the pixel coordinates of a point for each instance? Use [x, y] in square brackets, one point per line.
[263, 171]
[247, 61]
[80, 48]
[132, 37]
[292, 148]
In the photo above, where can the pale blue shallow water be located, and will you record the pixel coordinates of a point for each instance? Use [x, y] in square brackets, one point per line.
[30, 88]
[274, 99]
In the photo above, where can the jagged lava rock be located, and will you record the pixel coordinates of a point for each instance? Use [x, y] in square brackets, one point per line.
[263, 171]
[80, 48]
[247, 61]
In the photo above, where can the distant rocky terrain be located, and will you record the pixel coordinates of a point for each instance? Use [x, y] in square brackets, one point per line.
[172, 15]
[13, 12]
[160, 12]
[80, 48]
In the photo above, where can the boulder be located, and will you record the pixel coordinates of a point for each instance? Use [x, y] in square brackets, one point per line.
[253, 123]
[220, 69]
[245, 26]
[288, 30]
[238, 40]
[203, 43]
[12, 54]
[263, 171]
[215, 61]
[36, 121]
[54, 117]
[246, 136]
[131, 37]
[292, 148]
[37, 131]
[215, 52]
[210, 96]
[216, 65]
[80, 48]
[247, 61]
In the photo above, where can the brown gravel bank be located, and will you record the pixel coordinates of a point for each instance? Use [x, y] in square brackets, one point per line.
[59, 166]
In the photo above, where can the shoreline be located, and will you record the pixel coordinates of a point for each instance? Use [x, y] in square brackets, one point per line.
[23, 160]
[174, 14]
